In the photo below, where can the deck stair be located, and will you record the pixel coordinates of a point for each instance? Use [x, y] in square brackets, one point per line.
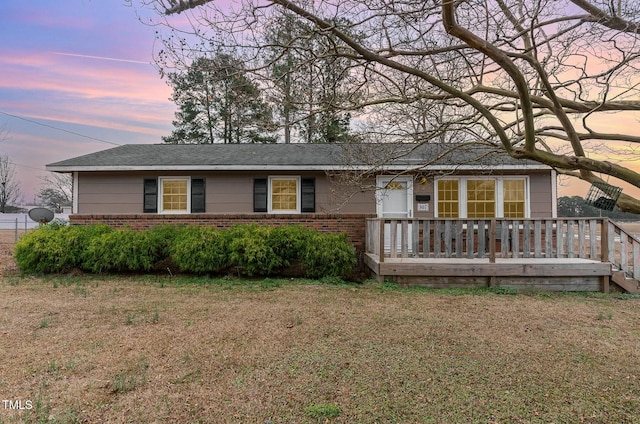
[623, 251]
[627, 283]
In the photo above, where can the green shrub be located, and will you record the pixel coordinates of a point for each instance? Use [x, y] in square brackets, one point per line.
[250, 250]
[318, 255]
[328, 255]
[122, 250]
[289, 241]
[253, 249]
[200, 250]
[163, 238]
[55, 248]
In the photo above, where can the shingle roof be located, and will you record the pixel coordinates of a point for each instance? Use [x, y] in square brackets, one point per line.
[288, 157]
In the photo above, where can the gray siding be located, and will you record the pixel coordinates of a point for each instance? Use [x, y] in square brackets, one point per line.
[541, 199]
[232, 193]
[109, 193]
[226, 193]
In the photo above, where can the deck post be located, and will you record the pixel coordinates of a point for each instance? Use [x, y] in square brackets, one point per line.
[492, 241]
[604, 240]
[605, 284]
[381, 239]
[404, 239]
[593, 238]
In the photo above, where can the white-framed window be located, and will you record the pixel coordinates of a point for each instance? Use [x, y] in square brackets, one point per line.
[284, 195]
[482, 197]
[174, 195]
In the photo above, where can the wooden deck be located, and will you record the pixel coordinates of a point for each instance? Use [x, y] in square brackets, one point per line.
[550, 254]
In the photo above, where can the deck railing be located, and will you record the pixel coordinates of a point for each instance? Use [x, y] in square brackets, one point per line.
[622, 249]
[588, 238]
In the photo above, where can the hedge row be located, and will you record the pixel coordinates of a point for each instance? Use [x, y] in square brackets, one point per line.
[250, 249]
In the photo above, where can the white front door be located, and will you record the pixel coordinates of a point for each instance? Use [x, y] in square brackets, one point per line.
[395, 197]
[395, 200]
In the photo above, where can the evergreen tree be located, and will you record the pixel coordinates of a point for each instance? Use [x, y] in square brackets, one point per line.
[218, 103]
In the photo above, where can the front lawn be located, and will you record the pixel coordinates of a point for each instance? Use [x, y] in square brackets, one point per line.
[157, 349]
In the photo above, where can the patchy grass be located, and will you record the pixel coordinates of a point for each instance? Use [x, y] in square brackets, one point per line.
[77, 349]
[322, 412]
[161, 349]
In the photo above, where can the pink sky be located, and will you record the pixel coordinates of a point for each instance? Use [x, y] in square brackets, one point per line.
[86, 67]
[81, 66]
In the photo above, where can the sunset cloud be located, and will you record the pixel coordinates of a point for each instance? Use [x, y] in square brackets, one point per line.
[86, 67]
[71, 68]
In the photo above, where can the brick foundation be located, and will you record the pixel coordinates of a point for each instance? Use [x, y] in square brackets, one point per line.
[354, 225]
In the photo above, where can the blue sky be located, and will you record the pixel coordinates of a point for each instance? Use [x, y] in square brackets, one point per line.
[84, 67]
[70, 67]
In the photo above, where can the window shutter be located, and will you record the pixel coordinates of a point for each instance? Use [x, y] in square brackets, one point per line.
[150, 204]
[260, 186]
[197, 195]
[307, 195]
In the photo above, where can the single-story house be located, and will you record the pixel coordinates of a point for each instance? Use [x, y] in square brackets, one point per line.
[401, 180]
[430, 214]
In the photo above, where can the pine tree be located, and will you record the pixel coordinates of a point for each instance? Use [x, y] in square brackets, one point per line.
[218, 102]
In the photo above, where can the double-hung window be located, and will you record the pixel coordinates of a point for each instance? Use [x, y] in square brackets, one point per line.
[477, 197]
[448, 198]
[174, 195]
[481, 198]
[514, 198]
[284, 194]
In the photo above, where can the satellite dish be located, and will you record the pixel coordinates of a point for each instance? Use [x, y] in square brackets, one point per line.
[41, 215]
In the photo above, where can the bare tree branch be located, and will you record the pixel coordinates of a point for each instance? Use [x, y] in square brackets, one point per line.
[539, 78]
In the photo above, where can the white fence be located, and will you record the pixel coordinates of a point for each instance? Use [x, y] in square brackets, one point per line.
[21, 223]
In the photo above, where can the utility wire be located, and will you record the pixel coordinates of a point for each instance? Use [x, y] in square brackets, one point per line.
[60, 129]
[27, 166]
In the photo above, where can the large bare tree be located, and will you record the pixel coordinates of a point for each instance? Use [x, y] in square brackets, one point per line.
[541, 79]
[56, 191]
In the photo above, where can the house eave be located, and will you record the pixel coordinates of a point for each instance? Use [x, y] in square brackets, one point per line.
[298, 168]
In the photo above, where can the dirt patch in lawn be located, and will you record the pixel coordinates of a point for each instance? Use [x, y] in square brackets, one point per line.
[174, 350]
